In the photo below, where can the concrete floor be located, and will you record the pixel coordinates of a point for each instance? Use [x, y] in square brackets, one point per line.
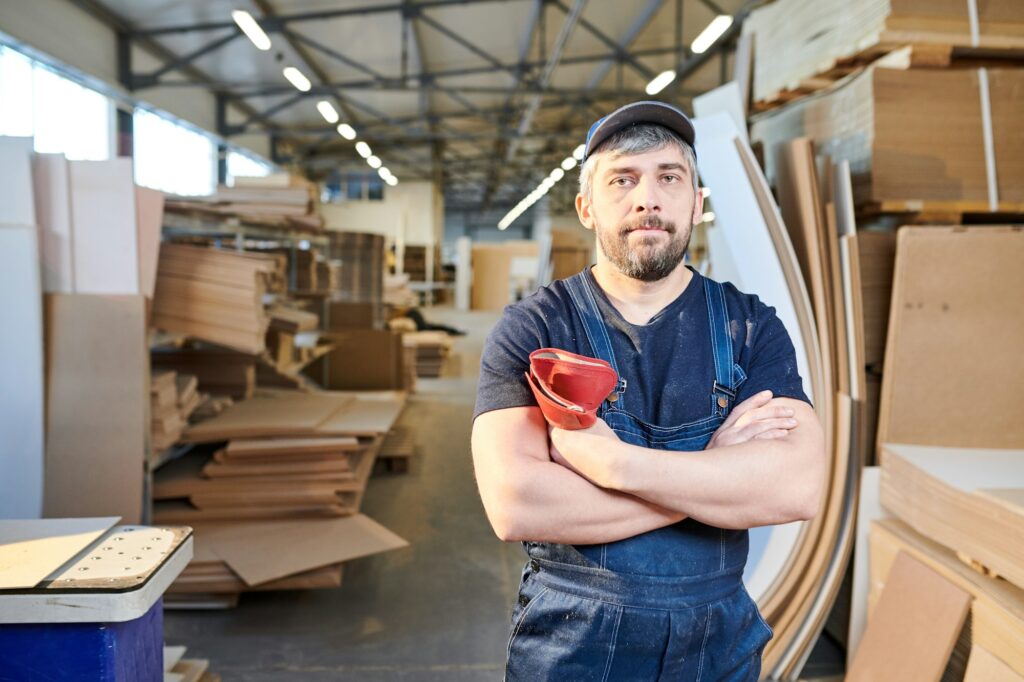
[437, 610]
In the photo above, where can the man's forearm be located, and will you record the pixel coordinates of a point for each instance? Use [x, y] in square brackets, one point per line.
[552, 504]
[739, 486]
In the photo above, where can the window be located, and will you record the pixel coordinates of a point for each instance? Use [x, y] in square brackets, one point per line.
[63, 116]
[171, 157]
[243, 165]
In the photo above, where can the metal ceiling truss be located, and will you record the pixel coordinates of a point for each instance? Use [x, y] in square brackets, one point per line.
[401, 139]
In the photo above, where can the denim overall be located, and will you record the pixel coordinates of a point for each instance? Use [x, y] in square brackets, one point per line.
[665, 605]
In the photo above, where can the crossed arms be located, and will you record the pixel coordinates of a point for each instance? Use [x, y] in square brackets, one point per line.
[765, 465]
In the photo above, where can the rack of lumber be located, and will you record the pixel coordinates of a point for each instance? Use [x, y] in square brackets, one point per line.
[431, 351]
[213, 295]
[803, 45]
[884, 123]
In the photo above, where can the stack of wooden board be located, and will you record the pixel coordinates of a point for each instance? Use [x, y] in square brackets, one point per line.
[213, 295]
[276, 201]
[996, 623]
[432, 350]
[173, 399]
[220, 372]
[361, 259]
[968, 499]
[883, 122]
[803, 45]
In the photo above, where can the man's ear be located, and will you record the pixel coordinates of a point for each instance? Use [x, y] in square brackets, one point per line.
[698, 206]
[584, 210]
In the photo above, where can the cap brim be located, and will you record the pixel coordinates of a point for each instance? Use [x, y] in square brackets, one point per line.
[656, 113]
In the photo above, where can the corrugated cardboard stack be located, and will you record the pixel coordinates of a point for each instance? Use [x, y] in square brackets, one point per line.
[361, 259]
[431, 351]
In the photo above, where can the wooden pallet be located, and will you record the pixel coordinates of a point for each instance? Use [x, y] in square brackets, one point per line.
[916, 56]
[398, 448]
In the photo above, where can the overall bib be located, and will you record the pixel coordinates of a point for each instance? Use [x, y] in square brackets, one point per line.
[665, 605]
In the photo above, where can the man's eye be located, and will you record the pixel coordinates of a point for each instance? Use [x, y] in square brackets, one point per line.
[670, 178]
[621, 181]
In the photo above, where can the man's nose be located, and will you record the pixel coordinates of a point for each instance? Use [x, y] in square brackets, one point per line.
[647, 200]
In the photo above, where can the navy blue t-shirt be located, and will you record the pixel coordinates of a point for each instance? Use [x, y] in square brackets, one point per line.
[667, 363]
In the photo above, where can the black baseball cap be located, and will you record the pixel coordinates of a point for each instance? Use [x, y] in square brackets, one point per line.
[647, 111]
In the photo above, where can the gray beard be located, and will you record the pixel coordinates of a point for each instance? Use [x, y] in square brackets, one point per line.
[647, 261]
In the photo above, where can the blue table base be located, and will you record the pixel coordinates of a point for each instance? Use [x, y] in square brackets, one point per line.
[97, 652]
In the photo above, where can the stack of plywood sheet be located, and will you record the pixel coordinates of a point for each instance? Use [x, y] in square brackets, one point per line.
[213, 295]
[884, 123]
[431, 351]
[803, 45]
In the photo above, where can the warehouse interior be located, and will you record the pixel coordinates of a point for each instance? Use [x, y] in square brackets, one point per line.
[251, 252]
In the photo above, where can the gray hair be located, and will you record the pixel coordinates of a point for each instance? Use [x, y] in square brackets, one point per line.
[636, 139]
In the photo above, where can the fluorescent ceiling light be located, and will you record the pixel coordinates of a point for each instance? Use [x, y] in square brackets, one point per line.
[327, 111]
[347, 131]
[569, 163]
[363, 149]
[296, 78]
[374, 161]
[557, 174]
[391, 180]
[251, 29]
[706, 191]
[708, 217]
[383, 172]
[547, 183]
[579, 151]
[710, 34]
[660, 82]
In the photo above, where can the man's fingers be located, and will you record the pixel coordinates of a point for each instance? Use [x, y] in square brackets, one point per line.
[770, 411]
[763, 425]
[769, 435]
[753, 402]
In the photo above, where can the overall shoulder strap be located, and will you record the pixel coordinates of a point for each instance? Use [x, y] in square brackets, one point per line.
[723, 391]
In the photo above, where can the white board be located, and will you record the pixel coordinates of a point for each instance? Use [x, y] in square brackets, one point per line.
[50, 182]
[16, 205]
[105, 244]
[723, 99]
[869, 510]
[746, 252]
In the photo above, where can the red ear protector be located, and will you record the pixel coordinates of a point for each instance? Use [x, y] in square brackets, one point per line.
[568, 387]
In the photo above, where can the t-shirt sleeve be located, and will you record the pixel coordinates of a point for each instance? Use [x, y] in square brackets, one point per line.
[772, 359]
[505, 360]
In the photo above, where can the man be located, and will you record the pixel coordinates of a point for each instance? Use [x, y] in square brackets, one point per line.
[636, 526]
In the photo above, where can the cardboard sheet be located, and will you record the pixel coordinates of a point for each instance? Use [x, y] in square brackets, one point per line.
[283, 447]
[51, 183]
[953, 374]
[262, 551]
[284, 414]
[97, 391]
[913, 628]
[105, 244]
[149, 208]
[32, 549]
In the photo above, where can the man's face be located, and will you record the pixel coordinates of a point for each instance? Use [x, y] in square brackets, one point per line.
[642, 208]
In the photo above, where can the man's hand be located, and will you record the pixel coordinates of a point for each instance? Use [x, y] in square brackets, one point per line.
[580, 450]
[759, 417]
